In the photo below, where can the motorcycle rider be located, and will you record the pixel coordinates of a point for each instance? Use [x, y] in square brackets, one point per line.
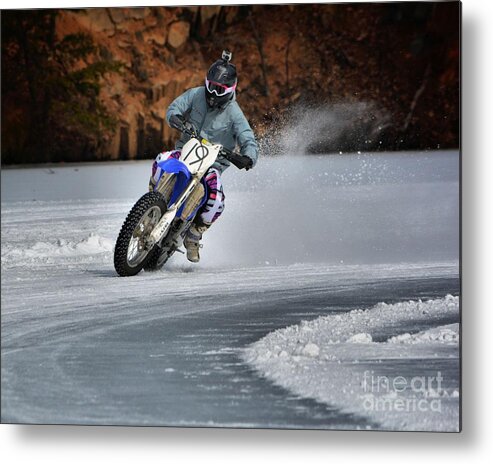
[214, 113]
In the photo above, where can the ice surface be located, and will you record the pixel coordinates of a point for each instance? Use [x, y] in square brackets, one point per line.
[332, 360]
[300, 237]
[349, 209]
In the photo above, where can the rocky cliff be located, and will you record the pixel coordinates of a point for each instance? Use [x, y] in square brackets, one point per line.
[400, 60]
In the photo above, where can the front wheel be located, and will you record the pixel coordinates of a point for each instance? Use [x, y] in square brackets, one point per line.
[132, 250]
[157, 259]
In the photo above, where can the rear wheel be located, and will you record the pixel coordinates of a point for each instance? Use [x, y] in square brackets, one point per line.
[132, 250]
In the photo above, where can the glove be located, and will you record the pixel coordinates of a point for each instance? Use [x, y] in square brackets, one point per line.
[248, 163]
[190, 127]
[242, 162]
[177, 121]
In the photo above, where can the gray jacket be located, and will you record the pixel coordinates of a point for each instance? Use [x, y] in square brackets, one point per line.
[226, 126]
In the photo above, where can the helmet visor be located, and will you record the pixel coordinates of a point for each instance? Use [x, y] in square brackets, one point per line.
[219, 89]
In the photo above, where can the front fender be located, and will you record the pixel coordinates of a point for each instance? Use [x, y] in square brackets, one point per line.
[183, 177]
[173, 165]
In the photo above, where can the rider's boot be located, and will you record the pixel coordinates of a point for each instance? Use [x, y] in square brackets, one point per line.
[192, 241]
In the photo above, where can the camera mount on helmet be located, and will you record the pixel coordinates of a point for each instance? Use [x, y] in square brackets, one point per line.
[221, 81]
[227, 55]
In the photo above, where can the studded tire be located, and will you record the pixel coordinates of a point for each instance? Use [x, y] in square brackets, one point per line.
[147, 202]
[156, 261]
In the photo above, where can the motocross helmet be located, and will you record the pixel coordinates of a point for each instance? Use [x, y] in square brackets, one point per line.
[220, 82]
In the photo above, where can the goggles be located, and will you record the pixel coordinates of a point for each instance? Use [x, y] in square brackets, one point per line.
[219, 89]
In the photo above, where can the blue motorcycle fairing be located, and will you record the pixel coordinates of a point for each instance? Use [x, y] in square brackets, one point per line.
[183, 176]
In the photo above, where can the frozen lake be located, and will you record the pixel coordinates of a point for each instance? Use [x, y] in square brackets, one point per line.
[301, 237]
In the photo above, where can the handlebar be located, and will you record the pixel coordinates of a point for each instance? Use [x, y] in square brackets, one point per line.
[239, 160]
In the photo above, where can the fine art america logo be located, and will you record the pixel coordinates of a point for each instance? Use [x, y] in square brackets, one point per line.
[401, 394]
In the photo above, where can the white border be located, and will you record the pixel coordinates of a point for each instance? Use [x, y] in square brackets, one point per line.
[474, 445]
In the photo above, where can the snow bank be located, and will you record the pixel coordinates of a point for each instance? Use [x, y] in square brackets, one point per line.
[444, 334]
[47, 251]
[394, 383]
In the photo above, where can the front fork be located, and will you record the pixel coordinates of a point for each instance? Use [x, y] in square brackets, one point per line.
[164, 223]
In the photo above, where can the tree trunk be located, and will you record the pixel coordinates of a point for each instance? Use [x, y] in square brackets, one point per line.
[260, 47]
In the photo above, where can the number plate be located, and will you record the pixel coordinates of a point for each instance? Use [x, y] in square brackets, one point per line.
[199, 156]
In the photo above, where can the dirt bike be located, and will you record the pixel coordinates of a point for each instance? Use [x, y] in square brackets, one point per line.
[156, 225]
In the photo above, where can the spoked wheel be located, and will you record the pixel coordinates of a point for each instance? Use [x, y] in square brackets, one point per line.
[132, 249]
[137, 248]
